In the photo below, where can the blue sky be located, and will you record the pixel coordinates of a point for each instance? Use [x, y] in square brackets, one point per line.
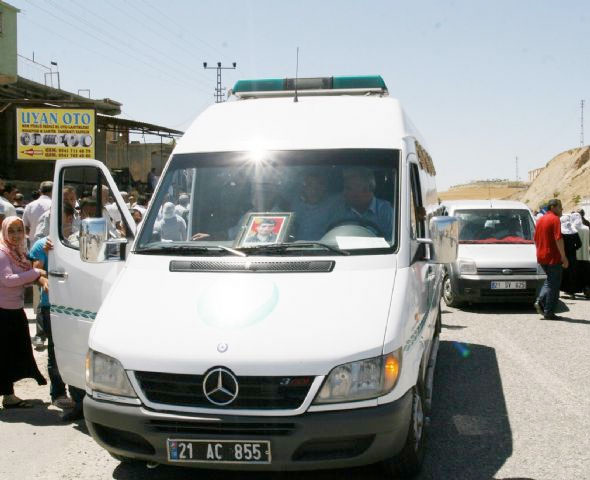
[484, 81]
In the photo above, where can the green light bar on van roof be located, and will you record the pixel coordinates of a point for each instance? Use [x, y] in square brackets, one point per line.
[318, 83]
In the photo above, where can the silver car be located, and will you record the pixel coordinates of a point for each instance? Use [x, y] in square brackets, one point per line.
[497, 260]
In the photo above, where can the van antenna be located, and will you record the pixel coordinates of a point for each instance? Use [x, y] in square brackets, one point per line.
[296, 75]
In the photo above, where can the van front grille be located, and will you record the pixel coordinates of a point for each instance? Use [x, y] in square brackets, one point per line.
[222, 428]
[255, 393]
[513, 271]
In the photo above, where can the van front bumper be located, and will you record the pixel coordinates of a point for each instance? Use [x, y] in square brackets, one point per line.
[478, 288]
[319, 440]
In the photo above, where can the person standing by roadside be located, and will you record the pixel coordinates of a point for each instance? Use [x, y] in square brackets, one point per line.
[551, 257]
[38, 254]
[16, 354]
[7, 197]
[571, 243]
[31, 217]
[585, 222]
[19, 204]
[34, 210]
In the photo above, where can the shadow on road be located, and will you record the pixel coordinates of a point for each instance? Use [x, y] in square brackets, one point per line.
[470, 435]
[499, 308]
[39, 415]
[469, 438]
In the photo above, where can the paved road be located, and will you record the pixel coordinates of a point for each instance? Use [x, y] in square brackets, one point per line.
[512, 400]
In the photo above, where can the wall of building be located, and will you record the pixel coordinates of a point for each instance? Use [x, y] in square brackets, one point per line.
[8, 58]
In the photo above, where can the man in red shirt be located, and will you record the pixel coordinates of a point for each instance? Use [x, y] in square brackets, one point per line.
[551, 257]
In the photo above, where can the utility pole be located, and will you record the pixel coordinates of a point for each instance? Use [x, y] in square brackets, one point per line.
[219, 89]
[581, 123]
[517, 169]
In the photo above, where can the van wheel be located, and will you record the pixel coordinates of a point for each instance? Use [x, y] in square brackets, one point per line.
[408, 462]
[448, 293]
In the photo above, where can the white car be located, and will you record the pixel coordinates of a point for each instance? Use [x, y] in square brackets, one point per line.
[292, 322]
[497, 260]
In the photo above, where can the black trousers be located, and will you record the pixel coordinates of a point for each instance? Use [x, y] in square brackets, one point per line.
[16, 353]
[57, 387]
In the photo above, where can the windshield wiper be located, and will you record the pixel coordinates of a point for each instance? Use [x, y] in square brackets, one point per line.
[283, 247]
[190, 249]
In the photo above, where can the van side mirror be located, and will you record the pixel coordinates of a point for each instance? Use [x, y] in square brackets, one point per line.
[444, 239]
[95, 245]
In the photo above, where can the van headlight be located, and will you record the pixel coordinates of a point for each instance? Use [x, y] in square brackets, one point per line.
[466, 267]
[106, 374]
[361, 380]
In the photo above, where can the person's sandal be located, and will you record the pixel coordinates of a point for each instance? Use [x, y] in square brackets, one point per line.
[63, 402]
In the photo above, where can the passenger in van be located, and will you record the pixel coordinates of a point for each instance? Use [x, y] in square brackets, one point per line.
[171, 227]
[509, 228]
[315, 208]
[182, 208]
[360, 201]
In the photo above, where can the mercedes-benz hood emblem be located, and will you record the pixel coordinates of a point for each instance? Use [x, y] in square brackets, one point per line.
[220, 386]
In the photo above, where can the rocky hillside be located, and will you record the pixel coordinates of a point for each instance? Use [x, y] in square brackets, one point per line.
[484, 190]
[566, 176]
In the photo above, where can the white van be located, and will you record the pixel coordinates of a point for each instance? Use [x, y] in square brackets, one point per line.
[288, 319]
[497, 259]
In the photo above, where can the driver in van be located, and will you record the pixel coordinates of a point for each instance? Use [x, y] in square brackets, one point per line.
[510, 228]
[360, 202]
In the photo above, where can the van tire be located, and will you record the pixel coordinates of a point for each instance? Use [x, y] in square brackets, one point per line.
[448, 293]
[408, 462]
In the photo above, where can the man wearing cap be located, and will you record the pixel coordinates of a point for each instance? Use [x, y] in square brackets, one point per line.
[551, 256]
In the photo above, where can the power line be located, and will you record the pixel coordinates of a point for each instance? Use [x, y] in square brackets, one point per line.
[219, 89]
[581, 123]
[127, 46]
[116, 47]
[165, 55]
[157, 24]
[178, 26]
[84, 49]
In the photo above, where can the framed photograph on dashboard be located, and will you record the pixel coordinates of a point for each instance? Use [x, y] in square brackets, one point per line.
[264, 228]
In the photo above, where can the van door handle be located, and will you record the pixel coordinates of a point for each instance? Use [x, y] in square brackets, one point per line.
[59, 274]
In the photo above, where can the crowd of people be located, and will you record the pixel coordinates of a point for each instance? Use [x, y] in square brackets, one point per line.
[24, 245]
[563, 251]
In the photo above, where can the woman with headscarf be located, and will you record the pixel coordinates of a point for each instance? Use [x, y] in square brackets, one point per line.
[16, 353]
[583, 254]
[571, 243]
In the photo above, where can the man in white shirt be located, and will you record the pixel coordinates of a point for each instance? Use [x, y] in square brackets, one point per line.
[9, 209]
[34, 210]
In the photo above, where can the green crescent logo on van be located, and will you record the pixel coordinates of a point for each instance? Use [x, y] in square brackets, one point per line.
[237, 303]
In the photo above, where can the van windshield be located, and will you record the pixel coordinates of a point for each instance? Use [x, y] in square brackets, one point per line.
[495, 226]
[305, 202]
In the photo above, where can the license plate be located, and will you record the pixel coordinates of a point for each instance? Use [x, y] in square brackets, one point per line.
[513, 285]
[219, 451]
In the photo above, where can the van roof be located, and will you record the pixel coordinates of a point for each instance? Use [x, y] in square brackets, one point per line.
[484, 204]
[314, 122]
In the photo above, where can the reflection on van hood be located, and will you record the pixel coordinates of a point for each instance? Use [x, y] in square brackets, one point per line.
[500, 255]
[272, 324]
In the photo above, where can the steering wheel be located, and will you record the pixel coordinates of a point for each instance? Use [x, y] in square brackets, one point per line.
[362, 222]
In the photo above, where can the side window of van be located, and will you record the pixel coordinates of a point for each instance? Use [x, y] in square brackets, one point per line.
[79, 187]
[417, 211]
